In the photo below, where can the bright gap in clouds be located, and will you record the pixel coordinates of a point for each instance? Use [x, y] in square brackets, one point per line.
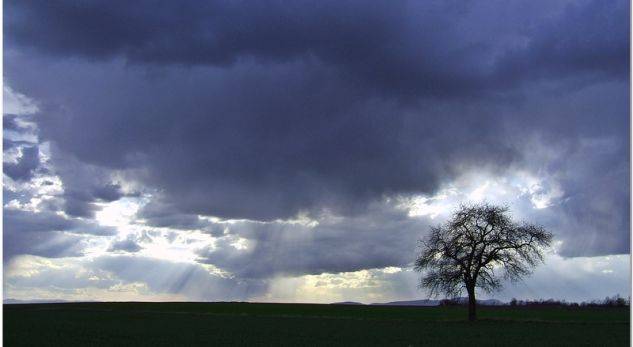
[17, 103]
[118, 213]
[523, 191]
[374, 285]
[478, 188]
[29, 277]
[161, 243]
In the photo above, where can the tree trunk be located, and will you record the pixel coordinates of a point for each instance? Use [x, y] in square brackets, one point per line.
[472, 304]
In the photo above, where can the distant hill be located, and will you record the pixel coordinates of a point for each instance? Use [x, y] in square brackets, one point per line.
[16, 301]
[347, 303]
[41, 301]
[429, 302]
[425, 302]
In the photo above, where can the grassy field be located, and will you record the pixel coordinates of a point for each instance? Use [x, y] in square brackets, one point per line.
[182, 324]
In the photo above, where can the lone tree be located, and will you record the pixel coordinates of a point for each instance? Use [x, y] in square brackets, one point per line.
[477, 247]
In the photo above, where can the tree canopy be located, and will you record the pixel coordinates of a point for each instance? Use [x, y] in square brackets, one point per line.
[477, 248]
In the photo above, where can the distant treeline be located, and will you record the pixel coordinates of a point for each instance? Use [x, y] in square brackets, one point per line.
[614, 301]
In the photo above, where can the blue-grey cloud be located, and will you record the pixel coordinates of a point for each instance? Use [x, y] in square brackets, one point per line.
[26, 165]
[46, 233]
[129, 244]
[384, 236]
[412, 48]
[9, 122]
[265, 112]
[191, 280]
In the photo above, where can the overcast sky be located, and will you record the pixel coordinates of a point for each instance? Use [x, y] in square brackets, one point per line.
[296, 151]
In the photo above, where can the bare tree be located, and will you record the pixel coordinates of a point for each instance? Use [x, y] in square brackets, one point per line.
[476, 248]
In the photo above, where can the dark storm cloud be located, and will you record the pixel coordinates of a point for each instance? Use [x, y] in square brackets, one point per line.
[81, 203]
[108, 192]
[11, 144]
[46, 233]
[589, 37]
[129, 244]
[303, 140]
[10, 122]
[407, 48]
[160, 214]
[26, 165]
[382, 237]
[15, 128]
[263, 112]
[27, 233]
[52, 244]
[78, 205]
[84, 185]
[21, 221]
[191, 280]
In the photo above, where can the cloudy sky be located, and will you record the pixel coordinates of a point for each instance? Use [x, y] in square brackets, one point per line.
[296, 151]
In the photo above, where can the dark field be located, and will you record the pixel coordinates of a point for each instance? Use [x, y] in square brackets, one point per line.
[181, 324]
